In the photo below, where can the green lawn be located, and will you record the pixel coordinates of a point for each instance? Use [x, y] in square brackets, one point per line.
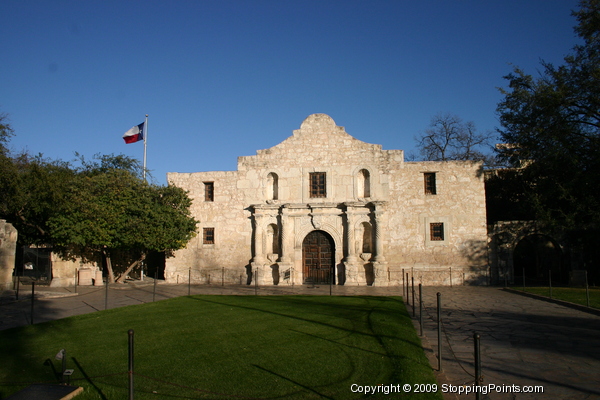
[572, 295]
[226, 347]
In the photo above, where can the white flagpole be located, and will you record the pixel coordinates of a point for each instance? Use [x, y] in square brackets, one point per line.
[145, 140]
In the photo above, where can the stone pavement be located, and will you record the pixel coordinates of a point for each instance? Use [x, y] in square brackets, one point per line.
[524, 341]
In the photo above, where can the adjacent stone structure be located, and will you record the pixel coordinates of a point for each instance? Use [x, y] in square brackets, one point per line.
[8, 247]
[323, 207]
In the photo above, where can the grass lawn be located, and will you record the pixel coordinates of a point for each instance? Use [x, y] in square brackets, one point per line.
[226, 347]
[573, 295]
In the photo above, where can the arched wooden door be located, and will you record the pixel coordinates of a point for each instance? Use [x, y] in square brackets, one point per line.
[318, 258]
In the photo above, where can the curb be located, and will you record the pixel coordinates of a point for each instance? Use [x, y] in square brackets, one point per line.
[579, 307]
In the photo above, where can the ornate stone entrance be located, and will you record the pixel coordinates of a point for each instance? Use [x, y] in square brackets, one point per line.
[318, 251]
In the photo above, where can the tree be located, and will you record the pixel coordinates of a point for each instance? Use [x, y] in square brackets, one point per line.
[450, 138]
[553, 125]
[109, 209]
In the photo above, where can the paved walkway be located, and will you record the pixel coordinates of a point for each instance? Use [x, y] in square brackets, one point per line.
[524, 341]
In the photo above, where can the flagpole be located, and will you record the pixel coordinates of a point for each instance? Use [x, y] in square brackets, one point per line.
[145, 140]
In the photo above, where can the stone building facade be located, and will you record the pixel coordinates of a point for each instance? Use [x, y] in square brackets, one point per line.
[323, 207]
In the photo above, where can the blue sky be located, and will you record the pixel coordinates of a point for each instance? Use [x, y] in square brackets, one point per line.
[221, 79]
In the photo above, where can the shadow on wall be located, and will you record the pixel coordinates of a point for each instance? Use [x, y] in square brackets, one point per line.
[475, 253]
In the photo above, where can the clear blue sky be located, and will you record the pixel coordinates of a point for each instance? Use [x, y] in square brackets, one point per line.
[220, 79]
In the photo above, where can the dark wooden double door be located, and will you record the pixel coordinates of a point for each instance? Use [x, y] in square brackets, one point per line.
[318, 258]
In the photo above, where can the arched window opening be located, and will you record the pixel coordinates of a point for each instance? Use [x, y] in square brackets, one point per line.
[364, 183]
[273, 186]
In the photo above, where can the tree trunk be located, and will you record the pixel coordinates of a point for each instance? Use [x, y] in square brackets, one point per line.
[132, 266]
[110, 277]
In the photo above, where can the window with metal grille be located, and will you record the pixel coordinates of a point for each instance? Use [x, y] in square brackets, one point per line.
[318, 184]
[209, 191]
[208, 236]
[430, 183]
[436, 231]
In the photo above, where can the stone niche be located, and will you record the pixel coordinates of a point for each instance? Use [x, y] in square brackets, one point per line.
[8, 248]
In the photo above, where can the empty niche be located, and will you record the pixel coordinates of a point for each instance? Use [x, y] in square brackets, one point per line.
[272, 186]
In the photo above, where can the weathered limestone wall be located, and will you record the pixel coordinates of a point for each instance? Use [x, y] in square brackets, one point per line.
[459, 204]
[269, 195]
[8, 247]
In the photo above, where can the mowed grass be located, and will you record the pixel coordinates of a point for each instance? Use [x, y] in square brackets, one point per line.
[226, 347]
[572, 295]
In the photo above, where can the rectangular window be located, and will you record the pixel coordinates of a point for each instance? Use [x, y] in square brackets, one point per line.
[430, 183]
[208, 236]
[318, 184]
[436, 231]
[209, 191]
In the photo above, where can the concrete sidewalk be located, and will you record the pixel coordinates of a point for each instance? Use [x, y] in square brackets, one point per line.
[524, 341]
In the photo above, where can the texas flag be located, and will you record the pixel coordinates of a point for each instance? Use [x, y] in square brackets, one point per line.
[135, 134]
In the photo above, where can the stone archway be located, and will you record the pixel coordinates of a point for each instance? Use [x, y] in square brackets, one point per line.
[318, 258]
[536, 255]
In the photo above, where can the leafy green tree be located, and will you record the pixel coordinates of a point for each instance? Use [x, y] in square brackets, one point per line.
[109, 209]
[552, 123]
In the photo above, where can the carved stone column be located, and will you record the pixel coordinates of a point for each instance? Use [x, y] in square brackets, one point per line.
[285, 261]
[379, 261]
[259, 257]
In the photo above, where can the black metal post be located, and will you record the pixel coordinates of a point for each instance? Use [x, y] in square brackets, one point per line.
[223, 277]
[154, 291]
[413, 294]
[330, 280]
[421, 309]
[403, 285]
[407, 288]
[477, 354]
[18, 285]
[32, 299]
[550, 281]
[130, 332]
[106, 295]
[189, 281]
[76, 279]
[523, 279]
[64, 366]
[450, 276]
[439, 321]
[256, 281]
[587, 290]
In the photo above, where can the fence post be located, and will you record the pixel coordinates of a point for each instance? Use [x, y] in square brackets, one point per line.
[439, 321]
[477, 354]
[403, 285]
[450, 276]
[223, 277]
[407, 288]
[189, 281]
[32, 299]
[587, 290]
[106, 295]
[154, 291]
[130, 333]
[18, 284]
[523, 279]
[550, 281]
[256, 281]
[412, 278]
[421, 309]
